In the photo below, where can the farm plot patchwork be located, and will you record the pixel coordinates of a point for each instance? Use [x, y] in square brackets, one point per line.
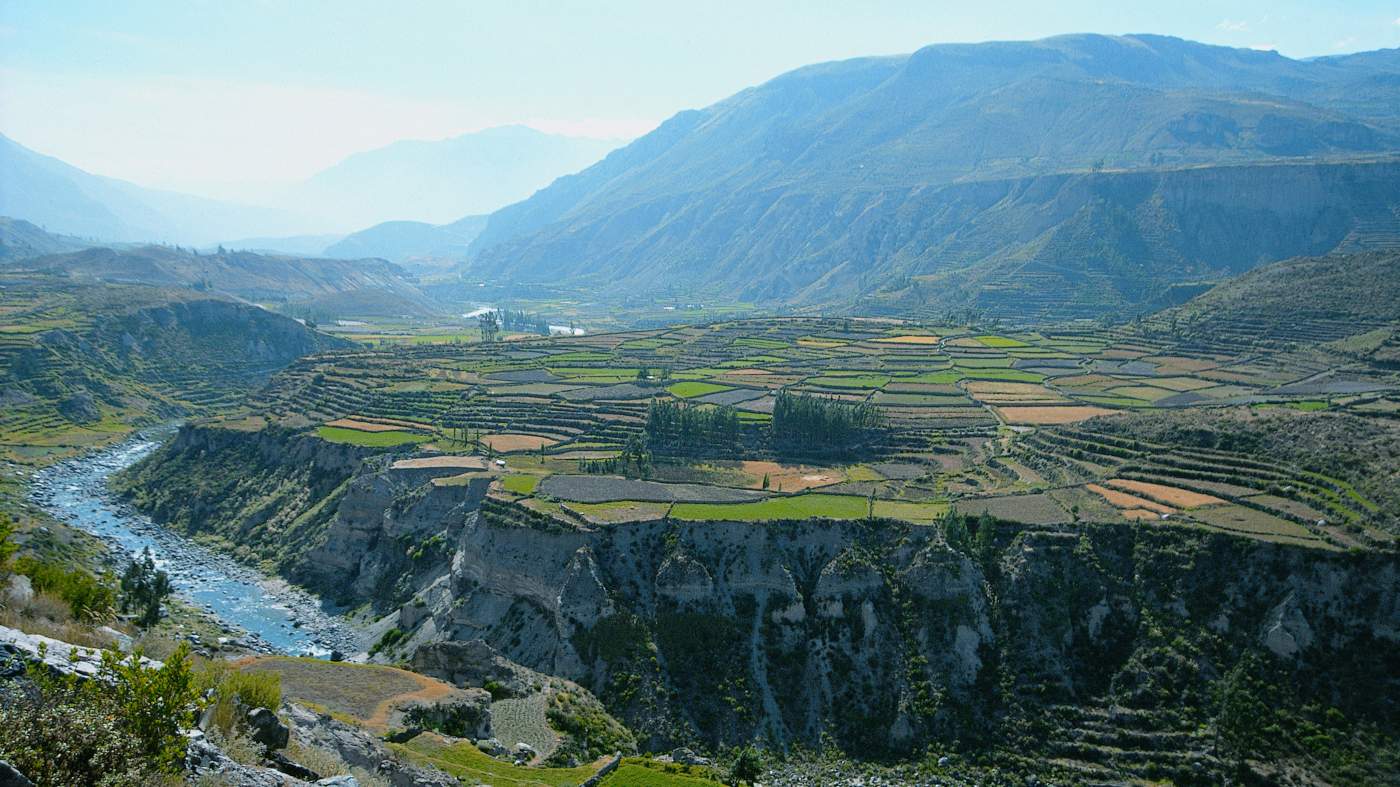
[573, 413]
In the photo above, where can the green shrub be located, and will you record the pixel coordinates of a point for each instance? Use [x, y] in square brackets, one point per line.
[387, 642]
[232, 688]
[591, 731]
[747, 766]
[89, 598]
[121, 727]
[257, 689]
[7, 546]
[496, 689]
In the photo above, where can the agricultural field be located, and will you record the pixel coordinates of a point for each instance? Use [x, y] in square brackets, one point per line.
[725, 422]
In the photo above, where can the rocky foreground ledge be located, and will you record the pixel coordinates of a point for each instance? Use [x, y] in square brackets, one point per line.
[19, 651]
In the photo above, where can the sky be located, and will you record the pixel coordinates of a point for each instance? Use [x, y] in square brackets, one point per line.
[222, 98]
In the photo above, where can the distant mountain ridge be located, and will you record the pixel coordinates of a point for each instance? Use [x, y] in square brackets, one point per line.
[428, 182]
[402, 241]
[440, 181]
[841, 180]
[66, 200]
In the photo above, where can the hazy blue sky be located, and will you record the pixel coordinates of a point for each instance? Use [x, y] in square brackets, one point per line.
[216, 97]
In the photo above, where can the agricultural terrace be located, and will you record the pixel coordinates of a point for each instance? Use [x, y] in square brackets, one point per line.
[774, 419]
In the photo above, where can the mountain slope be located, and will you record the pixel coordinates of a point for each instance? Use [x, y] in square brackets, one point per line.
[1350, 302]
[825, 181]
[440, 181]
[64, 199]
[1360, 287]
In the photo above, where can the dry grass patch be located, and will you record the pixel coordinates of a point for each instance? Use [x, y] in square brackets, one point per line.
[505, 443]
[1247, 521]
[1178, 363]
[1035, 509]
[1146, 393]
[1053, 414]
[790, 478]
[1169, 495]
[366, 693]
[980, 388]
[618, 512]
[1139, 514]
[1126, 502]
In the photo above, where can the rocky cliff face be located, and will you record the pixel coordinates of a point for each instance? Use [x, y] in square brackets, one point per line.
[1104, 647]
[888, 638]
[339, 519]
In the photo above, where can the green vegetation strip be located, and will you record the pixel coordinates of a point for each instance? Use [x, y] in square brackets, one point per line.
[463, 760]
[644, 773]
[336, 434]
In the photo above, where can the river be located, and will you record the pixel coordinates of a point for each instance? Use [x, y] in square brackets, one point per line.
[267, 614]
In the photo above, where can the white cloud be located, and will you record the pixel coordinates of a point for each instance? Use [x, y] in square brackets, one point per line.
[1233, 25]
[1343, 44]
[1397, 21]
[1264, 47]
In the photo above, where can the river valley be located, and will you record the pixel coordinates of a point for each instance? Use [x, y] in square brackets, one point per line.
[265, 614]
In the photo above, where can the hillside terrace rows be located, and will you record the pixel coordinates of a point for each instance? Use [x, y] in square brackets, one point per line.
[1286, 492]
[824, 357]
[944, 394]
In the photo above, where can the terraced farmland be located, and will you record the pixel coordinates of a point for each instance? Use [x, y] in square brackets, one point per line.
[1020, 425]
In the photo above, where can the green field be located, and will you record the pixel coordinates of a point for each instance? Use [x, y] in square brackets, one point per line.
[338, 434]
[520, 484]
[691, 389]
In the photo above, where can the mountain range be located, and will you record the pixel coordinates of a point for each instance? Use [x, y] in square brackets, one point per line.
[66, 200]
[1079, 176]
[1101, 170]
[408, 182]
